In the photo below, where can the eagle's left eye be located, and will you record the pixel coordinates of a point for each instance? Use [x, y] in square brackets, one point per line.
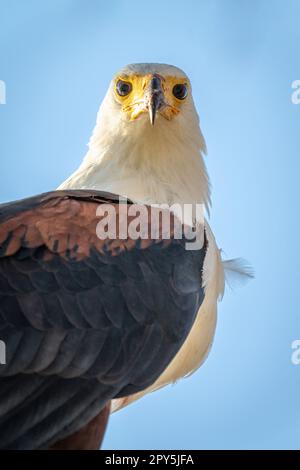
[180, 91]
[123, 88]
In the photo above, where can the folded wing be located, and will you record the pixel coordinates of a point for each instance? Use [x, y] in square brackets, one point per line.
[84, 320]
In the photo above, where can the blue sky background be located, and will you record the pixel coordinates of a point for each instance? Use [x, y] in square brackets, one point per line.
[57, 58]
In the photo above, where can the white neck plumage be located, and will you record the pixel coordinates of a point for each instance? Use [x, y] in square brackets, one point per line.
[162, 164]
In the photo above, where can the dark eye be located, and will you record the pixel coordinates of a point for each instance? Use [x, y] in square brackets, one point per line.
[180, 91]
[123, 88]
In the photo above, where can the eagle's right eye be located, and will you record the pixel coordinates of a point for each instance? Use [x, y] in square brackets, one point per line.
[123, 88]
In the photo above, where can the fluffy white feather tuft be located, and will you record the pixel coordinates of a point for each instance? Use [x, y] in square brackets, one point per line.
[237, 271]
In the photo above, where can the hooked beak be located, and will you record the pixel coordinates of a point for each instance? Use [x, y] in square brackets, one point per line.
[155, 100]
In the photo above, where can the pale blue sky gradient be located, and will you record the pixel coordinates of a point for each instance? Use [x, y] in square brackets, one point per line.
[57, 58]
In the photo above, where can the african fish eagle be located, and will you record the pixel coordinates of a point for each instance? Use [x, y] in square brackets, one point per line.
[91, 324]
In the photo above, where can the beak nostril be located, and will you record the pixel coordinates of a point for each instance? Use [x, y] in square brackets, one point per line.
[155, 84]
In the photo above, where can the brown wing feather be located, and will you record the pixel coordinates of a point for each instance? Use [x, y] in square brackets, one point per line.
[66, 221]
[85, 320]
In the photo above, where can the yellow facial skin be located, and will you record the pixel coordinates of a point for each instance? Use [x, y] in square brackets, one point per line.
[137, 101]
